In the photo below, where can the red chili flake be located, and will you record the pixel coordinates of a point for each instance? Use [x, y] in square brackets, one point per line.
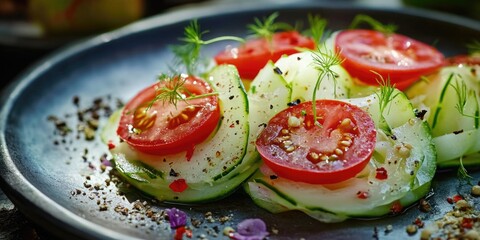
[381, 173]
[111, 145]
[362, 195]
[454, 199]
[419, 222]
[467, 223]
[179, 233]
[457, 198]
[178, 185]
[396, 207]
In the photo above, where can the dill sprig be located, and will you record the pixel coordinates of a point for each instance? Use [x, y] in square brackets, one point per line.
[267, 27]
[188, 53]
[324, 60]
[462, 172]
[172, 90]
[376, 25]
[386, 92]
[462, 93]
[317, 27]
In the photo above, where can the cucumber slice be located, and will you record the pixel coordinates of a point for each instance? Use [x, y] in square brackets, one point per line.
[218, 165]
[301, 74]
[450, 98]
[408, 155]
[269, 94]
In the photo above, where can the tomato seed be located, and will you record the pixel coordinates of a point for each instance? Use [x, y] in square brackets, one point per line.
[183, 117]
[286, 137]
[143, 120]
[290, 149]
[313, 157]
[190, 108]
[346, 143]
[338, 151]
[346, 122]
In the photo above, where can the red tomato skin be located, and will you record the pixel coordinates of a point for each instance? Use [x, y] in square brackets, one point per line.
[463, 60]
[160, 140]
[358, 47]
[252, 56]
[303, 170]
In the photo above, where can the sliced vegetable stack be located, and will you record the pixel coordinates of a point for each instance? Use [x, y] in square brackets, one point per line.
[323, 128]
[185, 138]
[450, 102]
[357, 157]
[185, 171]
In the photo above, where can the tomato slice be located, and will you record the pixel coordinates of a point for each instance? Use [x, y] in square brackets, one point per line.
[337, 149]
[164, 128]
[404, 60]
[469, 60]
[252, 56]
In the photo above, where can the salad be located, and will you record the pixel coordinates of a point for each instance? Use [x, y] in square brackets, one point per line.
[334, 125]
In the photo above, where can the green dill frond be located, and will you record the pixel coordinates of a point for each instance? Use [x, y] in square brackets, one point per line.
[185, 56]
[386, 92]
[171, 91]
[462, 92]
[376, 25]
[188, 53]
[474, 47]
[462, 172]
[193, 36]
[317, 27]
[267, 27]
[324, 60]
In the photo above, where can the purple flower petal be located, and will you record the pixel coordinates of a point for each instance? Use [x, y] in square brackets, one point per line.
[106, 163]
[251, 229]
[177, 218]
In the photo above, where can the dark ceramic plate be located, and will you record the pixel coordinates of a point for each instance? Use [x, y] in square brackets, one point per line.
[57, 181]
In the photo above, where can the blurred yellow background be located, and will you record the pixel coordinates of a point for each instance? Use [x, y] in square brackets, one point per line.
[83, 16]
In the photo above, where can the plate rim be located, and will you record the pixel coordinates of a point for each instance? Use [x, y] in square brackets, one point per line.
[47, 213]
